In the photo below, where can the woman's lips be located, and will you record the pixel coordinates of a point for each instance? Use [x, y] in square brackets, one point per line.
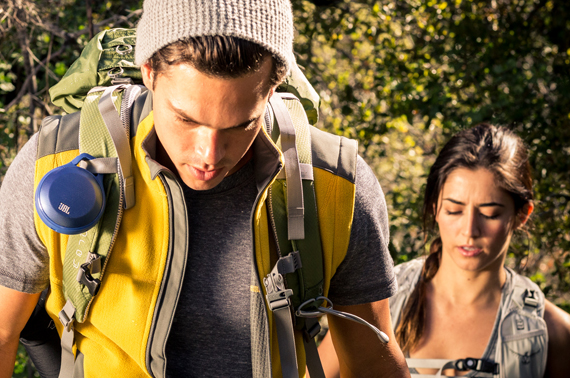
[204, 175]
[469, 251]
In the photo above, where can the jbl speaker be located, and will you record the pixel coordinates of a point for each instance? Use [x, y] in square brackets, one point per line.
[70, 199]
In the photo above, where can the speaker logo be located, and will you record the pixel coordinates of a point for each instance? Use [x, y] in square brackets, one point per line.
[64, 208]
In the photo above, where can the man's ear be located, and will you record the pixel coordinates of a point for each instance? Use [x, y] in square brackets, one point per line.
[147, 76]
[525, 214]
[271, 91]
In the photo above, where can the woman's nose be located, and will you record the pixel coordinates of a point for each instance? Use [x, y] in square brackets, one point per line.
[471, 227]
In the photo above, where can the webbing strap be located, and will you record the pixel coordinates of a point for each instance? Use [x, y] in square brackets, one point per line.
[312, 328]
[295, 206]
[100, 165]
[313, 359]
[121, 142]
[286, 340]
[67, 340]
[278, 298]
[306, 172]
[430, 363]
[463, 364]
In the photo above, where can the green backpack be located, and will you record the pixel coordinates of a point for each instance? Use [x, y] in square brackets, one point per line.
[100, 84]
[108, 60]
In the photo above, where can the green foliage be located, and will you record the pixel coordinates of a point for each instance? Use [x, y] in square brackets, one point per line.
[399, 76]
[24, 367]
[403, 76]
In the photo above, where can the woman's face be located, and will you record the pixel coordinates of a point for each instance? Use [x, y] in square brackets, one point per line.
[476, 219]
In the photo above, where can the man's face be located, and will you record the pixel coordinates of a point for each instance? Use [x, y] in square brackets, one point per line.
[206, 125]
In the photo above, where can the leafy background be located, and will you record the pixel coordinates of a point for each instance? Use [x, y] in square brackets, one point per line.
[399, 76]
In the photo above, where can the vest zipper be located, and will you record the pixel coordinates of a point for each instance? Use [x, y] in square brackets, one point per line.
[272, 220]
[167, 301]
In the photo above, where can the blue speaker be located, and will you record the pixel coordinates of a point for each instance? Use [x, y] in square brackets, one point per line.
[69, 199]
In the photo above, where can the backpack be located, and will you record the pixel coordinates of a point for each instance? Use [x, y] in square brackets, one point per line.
[103, 84]
[522, 339]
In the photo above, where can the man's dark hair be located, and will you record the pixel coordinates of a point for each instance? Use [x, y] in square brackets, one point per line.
[218, 56]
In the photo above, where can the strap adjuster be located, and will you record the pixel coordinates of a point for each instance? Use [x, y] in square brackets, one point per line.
[280, 299]
[84, 276]
[66, 315]
[530, 298]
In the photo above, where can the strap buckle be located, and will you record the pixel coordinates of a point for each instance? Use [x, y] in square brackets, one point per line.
[279, 299]
[530, 298]
[66, 316]
[84, 277]
[278, 296]
[477, 364]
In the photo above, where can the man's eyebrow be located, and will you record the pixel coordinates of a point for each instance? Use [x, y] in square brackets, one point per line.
[486, 204]
[246, 123]
[187, 118]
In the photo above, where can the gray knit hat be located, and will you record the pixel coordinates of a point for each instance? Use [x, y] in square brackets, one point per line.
[268, 23]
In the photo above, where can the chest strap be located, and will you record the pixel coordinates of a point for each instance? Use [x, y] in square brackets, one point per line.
[464, 364]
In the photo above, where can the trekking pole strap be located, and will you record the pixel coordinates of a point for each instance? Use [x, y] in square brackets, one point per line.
[66, 317]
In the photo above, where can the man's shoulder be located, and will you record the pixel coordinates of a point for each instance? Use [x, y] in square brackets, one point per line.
[334, 153]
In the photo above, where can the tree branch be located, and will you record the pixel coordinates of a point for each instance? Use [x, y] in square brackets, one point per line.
[23, 91]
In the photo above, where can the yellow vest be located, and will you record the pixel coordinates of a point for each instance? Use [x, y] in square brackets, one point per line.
[126, 327]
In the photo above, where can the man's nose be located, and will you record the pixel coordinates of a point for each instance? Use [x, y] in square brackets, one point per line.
[210, 146]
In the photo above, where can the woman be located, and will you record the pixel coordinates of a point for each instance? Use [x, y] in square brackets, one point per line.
[461, 301]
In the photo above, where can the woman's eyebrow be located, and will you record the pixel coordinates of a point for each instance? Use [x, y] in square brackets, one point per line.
[454, 201]
[491, 204]
[486, 204]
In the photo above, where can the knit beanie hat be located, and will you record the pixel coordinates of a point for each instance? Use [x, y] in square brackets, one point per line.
[268, 23]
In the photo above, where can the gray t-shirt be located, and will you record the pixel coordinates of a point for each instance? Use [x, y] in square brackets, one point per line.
[210, 335]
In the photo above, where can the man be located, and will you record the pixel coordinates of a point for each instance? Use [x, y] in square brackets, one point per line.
[181, 294]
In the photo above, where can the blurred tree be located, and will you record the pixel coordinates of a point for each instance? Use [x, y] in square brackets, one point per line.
[399, 76]
[39, 39]
[403, 76]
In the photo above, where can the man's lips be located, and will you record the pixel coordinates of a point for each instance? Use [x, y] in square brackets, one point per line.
[469, 250]
[204, 175]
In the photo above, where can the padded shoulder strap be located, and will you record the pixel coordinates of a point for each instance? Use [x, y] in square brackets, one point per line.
[294, 220]
[58, 134]
[407, 275]
[527, 295]
[103, 133]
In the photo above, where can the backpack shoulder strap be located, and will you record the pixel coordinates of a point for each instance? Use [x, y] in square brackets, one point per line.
[297, 278]
[407, 275]
[522, 340]
[294, 222]
[104, 134]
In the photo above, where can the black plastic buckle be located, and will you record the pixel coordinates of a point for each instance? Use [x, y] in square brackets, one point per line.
[530, 298]
[85, 278]
[484, 366]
